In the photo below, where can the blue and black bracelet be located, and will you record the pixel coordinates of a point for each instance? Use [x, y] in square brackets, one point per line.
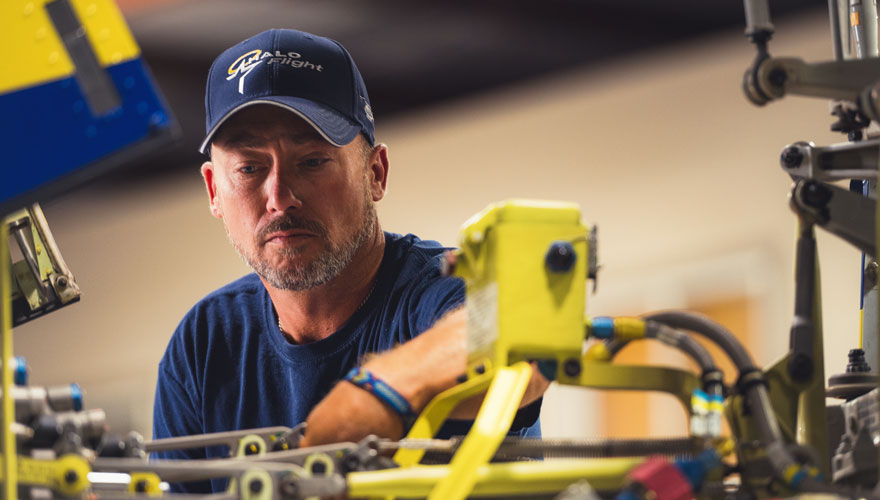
[362, 378]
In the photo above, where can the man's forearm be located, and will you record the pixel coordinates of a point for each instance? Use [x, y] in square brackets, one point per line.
[418, 370]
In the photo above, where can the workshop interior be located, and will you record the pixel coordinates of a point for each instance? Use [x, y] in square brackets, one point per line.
[680, 198]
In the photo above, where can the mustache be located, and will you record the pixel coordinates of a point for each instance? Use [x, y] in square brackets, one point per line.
[289, 222]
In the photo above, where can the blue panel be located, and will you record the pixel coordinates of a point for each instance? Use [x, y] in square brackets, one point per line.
[48, 132]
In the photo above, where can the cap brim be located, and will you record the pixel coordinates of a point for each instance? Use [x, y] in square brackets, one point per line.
[333, 127]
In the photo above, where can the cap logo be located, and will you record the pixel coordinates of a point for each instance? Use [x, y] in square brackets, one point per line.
[251, 59]
[244, 65]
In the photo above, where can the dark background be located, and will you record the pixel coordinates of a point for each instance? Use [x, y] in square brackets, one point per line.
[414, 54]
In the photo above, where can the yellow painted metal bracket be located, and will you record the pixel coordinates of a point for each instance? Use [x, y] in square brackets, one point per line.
[7, 440]
[433, 416]
[67, 474]
[601, 375]
[492, 423]
[499, 480]
[783, 397]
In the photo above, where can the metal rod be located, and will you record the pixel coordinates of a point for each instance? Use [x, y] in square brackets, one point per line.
[834, 16]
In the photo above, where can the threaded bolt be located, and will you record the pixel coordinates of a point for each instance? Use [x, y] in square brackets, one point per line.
[857, 363]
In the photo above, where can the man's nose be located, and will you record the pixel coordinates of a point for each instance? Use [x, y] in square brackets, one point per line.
[281, 195]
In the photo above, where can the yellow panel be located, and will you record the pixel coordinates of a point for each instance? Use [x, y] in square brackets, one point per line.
[33, 53]
[31, 47]
[107, 31]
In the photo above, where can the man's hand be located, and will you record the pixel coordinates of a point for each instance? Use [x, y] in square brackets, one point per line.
[419, 370]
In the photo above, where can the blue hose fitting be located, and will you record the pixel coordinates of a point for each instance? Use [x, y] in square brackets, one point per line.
[602, 327]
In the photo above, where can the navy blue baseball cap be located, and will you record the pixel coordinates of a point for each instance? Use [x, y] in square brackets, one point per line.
[312, 76]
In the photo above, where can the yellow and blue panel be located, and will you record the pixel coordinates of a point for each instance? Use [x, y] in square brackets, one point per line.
[74, 95]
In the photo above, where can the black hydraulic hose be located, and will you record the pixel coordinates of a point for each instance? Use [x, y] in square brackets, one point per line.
[669, 337]
[749, 376]
[713, 331]
[682, 341]
[614, 345]
[712, 376]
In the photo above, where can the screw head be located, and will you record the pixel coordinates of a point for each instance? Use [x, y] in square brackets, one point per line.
[816, 195]
[256, 485]
[480, 369]
[791, 157]
[71, 476]
[560, 257]
[777, 77]
[572, 367]
[140, 486]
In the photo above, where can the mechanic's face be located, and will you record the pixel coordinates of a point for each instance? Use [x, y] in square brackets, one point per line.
[295, 207]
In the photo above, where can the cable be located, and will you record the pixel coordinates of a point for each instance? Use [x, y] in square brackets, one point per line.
[681, 341]
[713, 331]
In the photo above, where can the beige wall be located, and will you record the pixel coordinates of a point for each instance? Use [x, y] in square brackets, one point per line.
[663, 152]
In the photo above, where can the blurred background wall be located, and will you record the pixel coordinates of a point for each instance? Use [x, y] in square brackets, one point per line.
[654, 140]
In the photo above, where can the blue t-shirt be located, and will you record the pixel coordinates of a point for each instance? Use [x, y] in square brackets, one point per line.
[229, 367]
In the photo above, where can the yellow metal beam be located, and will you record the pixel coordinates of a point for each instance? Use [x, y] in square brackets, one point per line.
[499, 480]
[602, 375]
[433, 416]
[7, 440]
[492, 423]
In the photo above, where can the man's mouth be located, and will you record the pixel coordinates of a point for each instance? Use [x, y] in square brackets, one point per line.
[280, 237]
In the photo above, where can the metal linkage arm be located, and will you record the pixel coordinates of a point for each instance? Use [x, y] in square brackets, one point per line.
[800, 363]
[775, 77]
[839, 211]
[850, 160]
[268, 435]
[833, 79]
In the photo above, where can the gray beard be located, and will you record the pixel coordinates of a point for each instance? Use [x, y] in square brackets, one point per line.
[327, 265]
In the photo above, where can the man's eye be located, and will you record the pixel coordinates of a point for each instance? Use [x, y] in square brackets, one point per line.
[247, 169]
[314, 162]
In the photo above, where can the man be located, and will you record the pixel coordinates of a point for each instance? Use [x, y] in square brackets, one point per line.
[294, 174]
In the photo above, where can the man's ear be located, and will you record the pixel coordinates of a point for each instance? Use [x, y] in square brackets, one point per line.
[211, 186]
[379, 171]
